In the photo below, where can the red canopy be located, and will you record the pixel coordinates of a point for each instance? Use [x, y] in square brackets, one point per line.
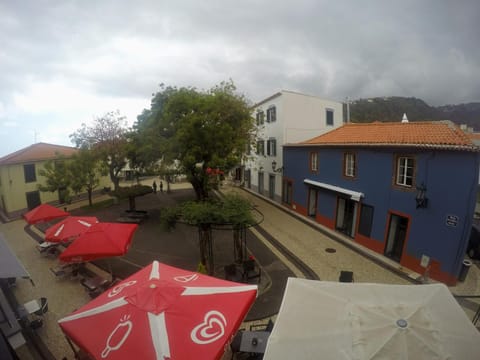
[99, 241]
[44, 212]
[161, 312]
[69, 228]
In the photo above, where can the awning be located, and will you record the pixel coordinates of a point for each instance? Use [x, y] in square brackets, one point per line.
[10, 266]
[354, 195]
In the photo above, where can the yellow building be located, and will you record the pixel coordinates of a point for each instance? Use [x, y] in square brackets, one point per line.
[19, 178]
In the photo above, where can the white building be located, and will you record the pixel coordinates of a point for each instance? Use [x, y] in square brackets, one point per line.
[285, 117]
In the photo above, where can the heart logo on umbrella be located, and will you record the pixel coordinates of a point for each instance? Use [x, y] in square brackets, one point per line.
[212, 328]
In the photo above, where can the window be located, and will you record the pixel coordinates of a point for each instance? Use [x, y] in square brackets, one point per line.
[260, 117]
[329, 117]
[349, 164]
[366, 220]
[272, 147]
[271, 114]
[405, 171]
[29, 172]
[260, 147]
[313, 162]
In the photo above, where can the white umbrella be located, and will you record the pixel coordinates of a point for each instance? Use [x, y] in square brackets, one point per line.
[331, 320]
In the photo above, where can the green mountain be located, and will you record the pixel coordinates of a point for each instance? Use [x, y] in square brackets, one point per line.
[392, 108]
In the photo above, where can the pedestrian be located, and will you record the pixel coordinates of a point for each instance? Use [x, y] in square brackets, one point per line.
[161, 186]
[154, 186]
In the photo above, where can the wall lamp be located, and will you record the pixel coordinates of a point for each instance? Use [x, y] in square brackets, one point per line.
[421, 198]
[274, 167]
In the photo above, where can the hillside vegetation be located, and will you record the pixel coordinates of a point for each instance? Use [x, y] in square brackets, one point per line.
[392, 109]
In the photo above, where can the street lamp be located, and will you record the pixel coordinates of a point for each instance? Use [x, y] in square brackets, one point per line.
[274, 167]
[421, 198]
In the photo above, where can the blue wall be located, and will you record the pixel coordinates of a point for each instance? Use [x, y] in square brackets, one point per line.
[451, 179]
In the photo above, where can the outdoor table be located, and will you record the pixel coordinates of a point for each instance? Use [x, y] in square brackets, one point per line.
[254, 341]
[32, 306]
[94, 283]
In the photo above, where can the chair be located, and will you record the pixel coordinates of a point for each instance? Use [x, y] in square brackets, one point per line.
[235, 344]
[43, 307]
[36, 324]
[232, 273]
[346, 276]
[263, 327]
[251, 270]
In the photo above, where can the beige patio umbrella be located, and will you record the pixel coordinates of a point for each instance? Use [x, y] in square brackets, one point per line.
[331, 320]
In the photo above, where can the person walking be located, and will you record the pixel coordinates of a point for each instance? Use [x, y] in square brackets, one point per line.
[154, 186]
[161, 186]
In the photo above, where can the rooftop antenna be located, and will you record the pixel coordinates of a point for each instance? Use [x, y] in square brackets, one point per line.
[348, 110]
[35, 136]
[404, 118]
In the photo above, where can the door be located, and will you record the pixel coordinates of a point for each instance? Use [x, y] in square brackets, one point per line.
[312, 202]
[346, 215]
[260, 183]
[271, 187]
[396, 236]
[248, 178]
[33, 199]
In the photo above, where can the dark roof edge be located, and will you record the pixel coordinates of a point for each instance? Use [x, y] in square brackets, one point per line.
[471, 148]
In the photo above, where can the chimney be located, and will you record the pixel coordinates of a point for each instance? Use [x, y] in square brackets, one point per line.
[404, 118]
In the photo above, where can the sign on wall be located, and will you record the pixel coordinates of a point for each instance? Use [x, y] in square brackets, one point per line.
[451, 220]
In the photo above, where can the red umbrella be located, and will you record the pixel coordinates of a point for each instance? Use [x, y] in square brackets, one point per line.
[69, 228]
[161, 312]
[99, 241]
[44, 212]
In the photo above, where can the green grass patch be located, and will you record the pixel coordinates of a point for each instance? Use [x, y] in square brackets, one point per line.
[98, 205]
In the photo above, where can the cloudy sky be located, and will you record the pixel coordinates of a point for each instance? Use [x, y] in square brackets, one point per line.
[65, 62]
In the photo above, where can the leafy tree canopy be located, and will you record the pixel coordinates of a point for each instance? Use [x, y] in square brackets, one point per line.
[107, 138]
[200, 129]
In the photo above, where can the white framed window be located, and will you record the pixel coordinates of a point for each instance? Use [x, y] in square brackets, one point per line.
[349, 164]
[272, 147]
[260, 147]
[405, 171]
[314, 162]
[272, 114]
[260, 117]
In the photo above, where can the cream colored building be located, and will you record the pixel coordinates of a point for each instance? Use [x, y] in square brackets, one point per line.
[285, 117]
[19, 178]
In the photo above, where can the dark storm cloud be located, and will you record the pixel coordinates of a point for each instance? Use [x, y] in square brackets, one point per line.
[357, 49]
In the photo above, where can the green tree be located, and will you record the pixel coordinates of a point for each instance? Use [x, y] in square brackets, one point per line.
[231, 211]
[56, 178]
[85, 171]
[199, 129]
[107, 138]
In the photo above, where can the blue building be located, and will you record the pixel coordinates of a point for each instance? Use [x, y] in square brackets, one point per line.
[404, 190]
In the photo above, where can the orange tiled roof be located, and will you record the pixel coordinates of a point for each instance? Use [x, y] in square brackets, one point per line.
[433, 134]
[37, 152]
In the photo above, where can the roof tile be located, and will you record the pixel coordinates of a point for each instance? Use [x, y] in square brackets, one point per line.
[37, 152]
[438, 134]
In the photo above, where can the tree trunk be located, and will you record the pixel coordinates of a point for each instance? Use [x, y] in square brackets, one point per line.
[115, 180]
[206, 247]
[89, 192]
[131, 202]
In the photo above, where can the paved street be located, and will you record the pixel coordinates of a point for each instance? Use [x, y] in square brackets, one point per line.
[283, 245]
